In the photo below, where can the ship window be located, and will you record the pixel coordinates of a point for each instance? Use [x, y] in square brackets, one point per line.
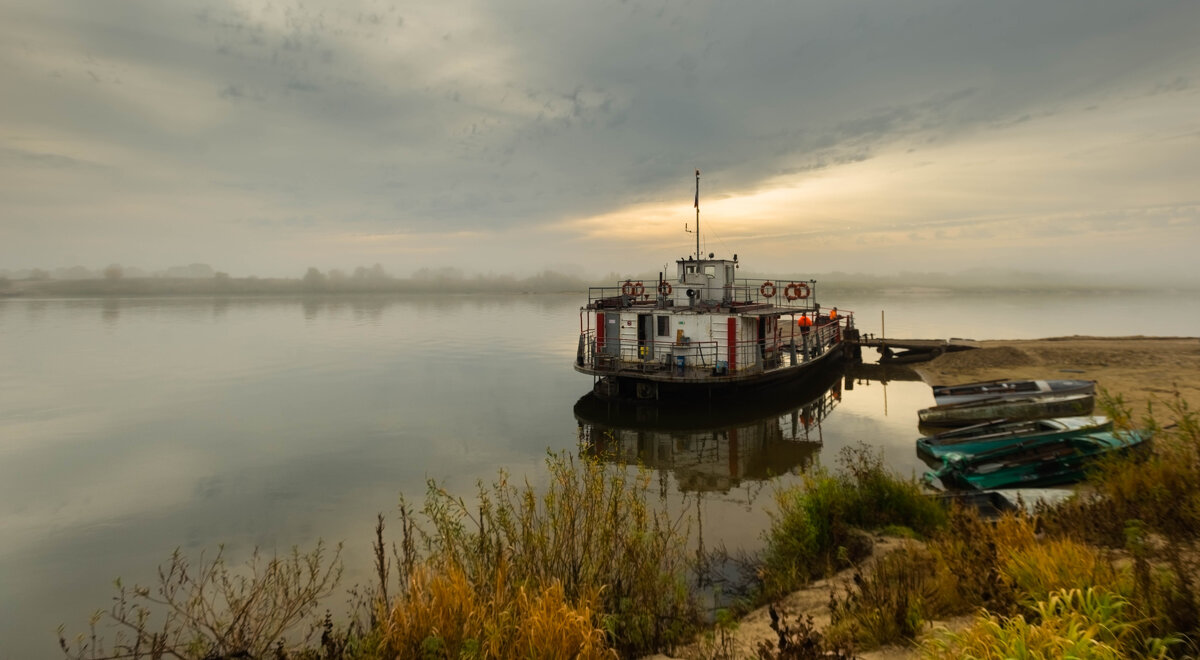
[710, 271]
[728, 273]
[664, 326]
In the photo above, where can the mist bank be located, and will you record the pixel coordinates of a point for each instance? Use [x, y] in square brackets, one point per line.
[312, 283]
[201, 279]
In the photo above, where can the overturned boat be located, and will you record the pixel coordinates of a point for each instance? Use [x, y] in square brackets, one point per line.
[992, 389]
[1008, 408]
[702, 331]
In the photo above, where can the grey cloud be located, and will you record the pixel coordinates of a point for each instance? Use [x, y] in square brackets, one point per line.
[402, 118]
[55, 161]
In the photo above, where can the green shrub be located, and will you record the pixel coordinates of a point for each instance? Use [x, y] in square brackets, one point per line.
[815, 530]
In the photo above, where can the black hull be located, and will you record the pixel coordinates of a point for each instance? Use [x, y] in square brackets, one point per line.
[631, 386]
[736, 408]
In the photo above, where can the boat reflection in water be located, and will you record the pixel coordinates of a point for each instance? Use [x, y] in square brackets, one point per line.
[714, 448]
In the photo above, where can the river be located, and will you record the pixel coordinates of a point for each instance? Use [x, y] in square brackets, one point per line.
[131, 427]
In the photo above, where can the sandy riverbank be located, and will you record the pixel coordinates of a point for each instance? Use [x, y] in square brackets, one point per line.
[1141, 370]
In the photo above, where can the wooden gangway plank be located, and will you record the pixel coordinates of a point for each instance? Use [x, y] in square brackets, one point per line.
[917, 344]
[893, 350]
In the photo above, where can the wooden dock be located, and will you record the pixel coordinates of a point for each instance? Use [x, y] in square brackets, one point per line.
[898, 351]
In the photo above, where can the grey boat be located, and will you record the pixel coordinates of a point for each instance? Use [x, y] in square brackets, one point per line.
[948, 394]
[1009, 408]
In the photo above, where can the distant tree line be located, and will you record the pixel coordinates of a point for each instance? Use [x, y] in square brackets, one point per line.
[201, 279]
[110, 272]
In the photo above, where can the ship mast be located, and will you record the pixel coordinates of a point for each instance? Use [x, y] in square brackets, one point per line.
[697, 215]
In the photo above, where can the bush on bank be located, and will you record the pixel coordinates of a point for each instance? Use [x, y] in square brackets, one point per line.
[818, 528]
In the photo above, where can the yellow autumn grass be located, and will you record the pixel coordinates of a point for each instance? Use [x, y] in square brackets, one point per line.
[443, 615]
[1038, 569]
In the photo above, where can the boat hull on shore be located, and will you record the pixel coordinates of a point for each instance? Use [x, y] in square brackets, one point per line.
[1005, 388]
[990, 436]
[1035, 465]
[1008, 408]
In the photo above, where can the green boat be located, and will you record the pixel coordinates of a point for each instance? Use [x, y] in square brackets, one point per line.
[1037, 464]
[1003, 433]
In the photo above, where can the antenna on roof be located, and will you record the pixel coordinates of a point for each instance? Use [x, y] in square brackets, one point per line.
[697, 215]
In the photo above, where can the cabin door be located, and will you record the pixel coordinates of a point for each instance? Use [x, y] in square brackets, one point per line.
[612, 334]
[760, 337]
[645, 335]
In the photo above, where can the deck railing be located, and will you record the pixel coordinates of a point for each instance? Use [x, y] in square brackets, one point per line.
[791, 294]
[668, 358]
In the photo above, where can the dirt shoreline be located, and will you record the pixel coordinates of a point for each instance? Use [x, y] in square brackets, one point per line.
[1142, 371]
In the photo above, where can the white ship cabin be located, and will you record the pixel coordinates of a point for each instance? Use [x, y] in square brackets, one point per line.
[703, 323]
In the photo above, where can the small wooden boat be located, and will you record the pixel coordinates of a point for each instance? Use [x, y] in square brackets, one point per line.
[991, 435]
[1009, 408]
[991, 389]
[1039, 464]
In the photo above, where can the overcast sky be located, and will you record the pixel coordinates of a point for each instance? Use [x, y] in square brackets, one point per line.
[509, 136]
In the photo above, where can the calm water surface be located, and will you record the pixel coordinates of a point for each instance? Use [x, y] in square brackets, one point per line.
[131, 427]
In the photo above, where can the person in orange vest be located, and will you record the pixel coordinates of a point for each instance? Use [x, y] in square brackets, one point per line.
[833, 314]
[805, 323]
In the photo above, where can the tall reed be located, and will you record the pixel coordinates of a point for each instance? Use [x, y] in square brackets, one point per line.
[442, 613]
[590, 531]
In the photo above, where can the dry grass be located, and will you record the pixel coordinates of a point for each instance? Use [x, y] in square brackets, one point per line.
[589, 533]
[445, 614]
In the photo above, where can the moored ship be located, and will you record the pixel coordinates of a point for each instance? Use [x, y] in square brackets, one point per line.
[703, 332]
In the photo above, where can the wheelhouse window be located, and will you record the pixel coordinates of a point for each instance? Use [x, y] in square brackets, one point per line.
[664, 326]
[710, 271]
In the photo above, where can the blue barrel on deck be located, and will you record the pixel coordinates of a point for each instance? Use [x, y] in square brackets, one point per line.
[680, 362]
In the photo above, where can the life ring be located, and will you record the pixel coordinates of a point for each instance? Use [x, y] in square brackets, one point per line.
[664, 288]
[767, 289]
[797, 290]
[627, 288]
[638, 289]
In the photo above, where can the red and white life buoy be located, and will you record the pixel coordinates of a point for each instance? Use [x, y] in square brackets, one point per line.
[767, 289]
[638, 289]
[796, 291]
[627, 288]
[664, 288]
